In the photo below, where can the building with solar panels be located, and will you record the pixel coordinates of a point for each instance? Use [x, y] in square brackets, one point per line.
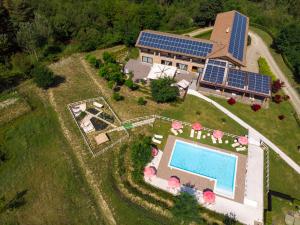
[218, 61]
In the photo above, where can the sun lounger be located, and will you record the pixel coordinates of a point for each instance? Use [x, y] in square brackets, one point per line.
[158, 136]
[192, 133]
[97, 104]
[156, 141]
[180, 131]
[235, 144]
[240, 149]
[199, 135]
[213, 139]
[174, 131]
[220, 140]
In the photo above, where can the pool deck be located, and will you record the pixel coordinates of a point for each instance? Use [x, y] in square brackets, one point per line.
[201, 183]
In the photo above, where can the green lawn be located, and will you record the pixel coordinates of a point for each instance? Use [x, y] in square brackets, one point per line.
[205, 35]
[40, 164]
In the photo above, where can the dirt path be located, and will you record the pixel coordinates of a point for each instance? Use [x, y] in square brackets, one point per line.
[79, 153]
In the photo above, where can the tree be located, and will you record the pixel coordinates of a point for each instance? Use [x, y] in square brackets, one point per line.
[42, 76]
[108, 57]
[130, 84]
[22, 63]
[186, 207]
[208, 9]
[162, 91]
[141, 101]
[89, 39]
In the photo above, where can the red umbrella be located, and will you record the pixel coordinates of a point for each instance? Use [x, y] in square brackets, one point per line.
[174, 182]
[243, 140]
[176, 125]
[149, 171]
[197, 126]
[218, 134]
[209, 197]
[154, 151]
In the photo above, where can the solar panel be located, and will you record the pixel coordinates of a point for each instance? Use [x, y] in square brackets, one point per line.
[214, 74]
[236, 78]
[237, 38]
[216, 62]
[259, 83]
[175, 44]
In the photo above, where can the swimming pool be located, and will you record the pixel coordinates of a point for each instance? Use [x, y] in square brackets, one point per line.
[208, 163]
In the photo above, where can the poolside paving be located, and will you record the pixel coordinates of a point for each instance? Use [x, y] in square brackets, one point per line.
[201, 183]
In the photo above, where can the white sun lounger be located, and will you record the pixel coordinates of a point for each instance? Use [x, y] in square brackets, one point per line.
[158, 136]
[199, 135]
[213, 139]
[235, 144]
[192, 133]
[156, 141]
[220, 140]
[174, 131]
[240, 149]
[180, 131]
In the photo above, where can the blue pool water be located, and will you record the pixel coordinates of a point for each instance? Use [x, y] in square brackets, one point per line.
[206, 162]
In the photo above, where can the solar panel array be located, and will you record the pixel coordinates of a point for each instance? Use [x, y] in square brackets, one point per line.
[214, 74]
[236, 78]
[216, 62]
[175, 44]
[259, 83]
[237, 38]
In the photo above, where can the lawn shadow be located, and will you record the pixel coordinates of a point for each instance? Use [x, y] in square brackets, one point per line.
[58, 79]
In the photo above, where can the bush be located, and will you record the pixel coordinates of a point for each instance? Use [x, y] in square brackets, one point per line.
[111, 84]
[186, 207]
[42, 76]
[22, 63]
[255, 107]
[231, 101]
[277, 85]
[93, 61]
[108, 57]
[141, 101]
[277, 99]
[131, 85]
[264, 68]
[117, 96]
[281, 117]
[112, 72]
[162, 91]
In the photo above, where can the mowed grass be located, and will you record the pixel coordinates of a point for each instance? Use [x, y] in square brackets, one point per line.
[205, 35]
[39, 162]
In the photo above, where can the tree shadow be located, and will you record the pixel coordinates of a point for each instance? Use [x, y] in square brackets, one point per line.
[58, 79]
[278, 195]
[17, 201]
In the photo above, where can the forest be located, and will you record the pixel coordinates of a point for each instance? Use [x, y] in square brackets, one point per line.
[34, 32]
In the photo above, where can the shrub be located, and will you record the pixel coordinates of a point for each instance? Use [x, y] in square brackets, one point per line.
[42, 76]
[281, 117]
[229, 219]
[277, 99]
[117, 96]
[112, 72]
[277, 85]
[286, 97]
[108, 57]
[141, 101]
[93, 61]
[264, 68]
[111, 84]
[162, 91]
[255, 107]
[231, 101]
[130, 84]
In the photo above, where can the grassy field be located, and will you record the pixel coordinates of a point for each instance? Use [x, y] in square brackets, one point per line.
[40, 165]
[277, 57]
[205, 35]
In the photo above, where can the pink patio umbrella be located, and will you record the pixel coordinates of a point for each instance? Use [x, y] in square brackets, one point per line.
[150, 171]
[154, 151]
[209, 196]
[218, 134]
[243, 140]
[174, 182]
[197, 126]
[176, 125]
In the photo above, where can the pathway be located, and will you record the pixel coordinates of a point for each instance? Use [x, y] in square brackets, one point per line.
[253, 131]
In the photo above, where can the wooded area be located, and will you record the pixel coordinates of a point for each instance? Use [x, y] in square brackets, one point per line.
[36, 31]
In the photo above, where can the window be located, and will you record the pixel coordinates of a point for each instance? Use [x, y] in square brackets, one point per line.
[181, 66]
[165, 62]
[147, 59]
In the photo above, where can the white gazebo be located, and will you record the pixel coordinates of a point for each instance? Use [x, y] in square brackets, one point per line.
[161, 71]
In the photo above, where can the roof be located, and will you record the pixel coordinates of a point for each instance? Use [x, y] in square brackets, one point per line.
[231, 32]
[177, 44]
[101, 138]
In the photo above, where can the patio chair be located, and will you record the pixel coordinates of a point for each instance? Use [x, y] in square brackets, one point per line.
[192, 133]
[235, 144]
[158, 136]
[199, 135]
[213, 139]
[156, 141]
[180, 131]
[240, 149]
[174, 131]
[220, 140]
